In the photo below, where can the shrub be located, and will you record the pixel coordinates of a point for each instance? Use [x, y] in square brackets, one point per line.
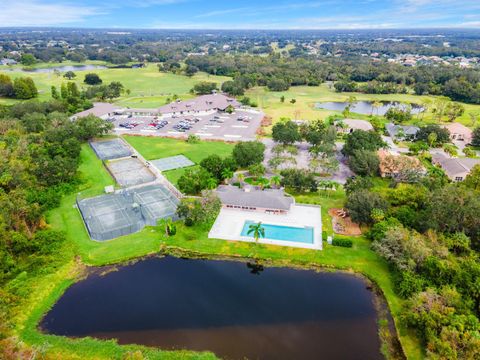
[342, 242]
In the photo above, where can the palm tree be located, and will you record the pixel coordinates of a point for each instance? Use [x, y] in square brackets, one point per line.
[240, 178]
[227, 174]
[167, 225]
[275, 181]
[375, 106]
[257, 230]
[211, 183]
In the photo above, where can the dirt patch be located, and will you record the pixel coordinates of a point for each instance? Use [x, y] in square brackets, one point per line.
[342, 224]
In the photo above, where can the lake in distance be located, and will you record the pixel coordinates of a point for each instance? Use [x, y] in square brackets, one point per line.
[365, 107]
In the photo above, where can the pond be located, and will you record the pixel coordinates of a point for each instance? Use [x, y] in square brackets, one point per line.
[229, 308]
[64, 68]
[366, 108]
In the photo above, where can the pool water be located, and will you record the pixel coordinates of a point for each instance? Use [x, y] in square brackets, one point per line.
[284, 233]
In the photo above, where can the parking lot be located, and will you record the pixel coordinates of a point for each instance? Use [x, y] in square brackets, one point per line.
[240, 125]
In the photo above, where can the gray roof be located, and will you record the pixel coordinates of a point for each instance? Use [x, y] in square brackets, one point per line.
[251, 197]
[200, 103]
[357, 124]
[453, 166]
[408, 130]
[99, 109]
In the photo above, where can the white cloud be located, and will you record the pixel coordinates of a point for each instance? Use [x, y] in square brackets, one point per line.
[35, 13]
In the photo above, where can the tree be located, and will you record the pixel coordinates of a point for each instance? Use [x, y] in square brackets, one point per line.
[362, 140]
[204, 87]
[442, 135]
[24, 88]
[257, 230]
[364, 162]
[356, 183]
[69, 75]
[285, 132]
[277, 84]
[218, 166]
[168, 226]
[473, 178]
[27, 59]
[92, 79]
[199, 211]
[275, 181]
[193, 181]
[361, 203]
[233, 88]
[6, 86]
[248, 153]
[90, 126]
[454, 110]
[227, 174]
[476, 137]
[256, 170]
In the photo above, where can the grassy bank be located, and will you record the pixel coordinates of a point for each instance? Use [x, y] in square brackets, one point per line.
[360, 258]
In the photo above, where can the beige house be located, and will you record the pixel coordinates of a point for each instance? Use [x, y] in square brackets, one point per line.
[459, 132]
[395, 165]
[270, 201]
[456, 169]
[347, 126]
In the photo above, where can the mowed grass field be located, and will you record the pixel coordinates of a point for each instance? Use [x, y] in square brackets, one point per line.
[307, 96]
[153, 148]
[148, 87]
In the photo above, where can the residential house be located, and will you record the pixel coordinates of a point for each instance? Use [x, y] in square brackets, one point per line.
[347, 126]
[402, 132]
[396, 166]
[456, 169]
[459, 132]
[271, 201]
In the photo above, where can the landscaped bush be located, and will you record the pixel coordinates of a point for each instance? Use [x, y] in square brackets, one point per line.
[342, 242]
[324, 235]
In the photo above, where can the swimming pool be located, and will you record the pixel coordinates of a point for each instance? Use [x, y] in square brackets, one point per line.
[283, 233]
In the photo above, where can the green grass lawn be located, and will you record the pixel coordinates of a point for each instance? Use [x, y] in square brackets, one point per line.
[148, 87]
[153, 148]
[48, 288]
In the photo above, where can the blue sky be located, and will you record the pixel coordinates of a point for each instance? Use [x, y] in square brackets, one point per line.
[247, 14]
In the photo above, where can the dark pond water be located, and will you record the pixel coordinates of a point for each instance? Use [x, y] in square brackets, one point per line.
[59, 68]
[223, 307]
[366, 108]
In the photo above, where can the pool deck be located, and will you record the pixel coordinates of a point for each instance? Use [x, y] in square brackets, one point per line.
[229, 225]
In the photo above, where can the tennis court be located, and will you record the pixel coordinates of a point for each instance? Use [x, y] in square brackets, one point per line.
[110, 216]
[156, 202]
[130, 172]
[113, 215]
[111, 149]
[171, 163]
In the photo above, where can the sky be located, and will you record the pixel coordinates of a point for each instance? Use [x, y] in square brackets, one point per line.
[246, 14]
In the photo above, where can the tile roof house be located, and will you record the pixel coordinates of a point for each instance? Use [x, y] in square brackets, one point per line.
[395, 165]
[408, 132]
[459, 132]
[252, 199]
[347, 126]
[204, 103]
[456, 169]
